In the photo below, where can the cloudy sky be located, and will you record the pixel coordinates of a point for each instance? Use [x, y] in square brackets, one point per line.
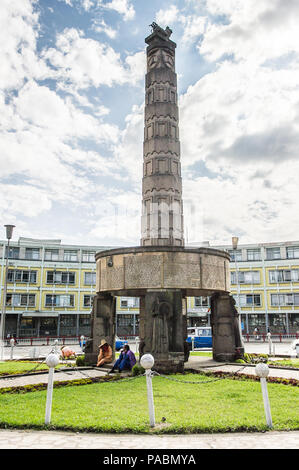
[71, 117]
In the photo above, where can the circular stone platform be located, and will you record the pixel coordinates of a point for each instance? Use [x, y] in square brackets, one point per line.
[133, 271]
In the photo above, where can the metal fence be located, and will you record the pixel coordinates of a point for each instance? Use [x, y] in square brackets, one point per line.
[275, 338]
[44, 341]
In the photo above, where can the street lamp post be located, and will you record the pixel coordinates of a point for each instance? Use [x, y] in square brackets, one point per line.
[9, 230]
[235, 241]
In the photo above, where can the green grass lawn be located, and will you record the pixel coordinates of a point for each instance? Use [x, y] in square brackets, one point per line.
[285, 363]
[222, 406]
[201, 353]
[18, 367]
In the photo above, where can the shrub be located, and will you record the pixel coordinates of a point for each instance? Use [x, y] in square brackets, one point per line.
[255, 358]
[247, 358]
[137, 370]
[80, 361]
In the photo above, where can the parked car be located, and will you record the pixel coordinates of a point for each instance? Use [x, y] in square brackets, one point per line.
[119, 343]
[202, 336]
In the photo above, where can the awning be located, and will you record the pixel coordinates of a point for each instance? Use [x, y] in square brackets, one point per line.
[40, 314]
[197, 314]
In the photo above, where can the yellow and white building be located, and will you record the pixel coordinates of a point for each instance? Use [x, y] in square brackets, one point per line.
[50, 289]
[265, 285]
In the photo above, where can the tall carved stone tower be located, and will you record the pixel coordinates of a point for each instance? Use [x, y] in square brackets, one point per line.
[162, 272]
[162, 206]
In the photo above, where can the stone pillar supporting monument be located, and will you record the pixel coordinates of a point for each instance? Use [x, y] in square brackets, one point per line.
[162, 272]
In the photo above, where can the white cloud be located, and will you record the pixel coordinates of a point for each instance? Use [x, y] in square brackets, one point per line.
[123, 7]
[257, 30]
[85, 63]
[194, 25]
[129, 151]
[24, 200]
[168, 16]
[87, 4]
[101, 27]
[18, 34]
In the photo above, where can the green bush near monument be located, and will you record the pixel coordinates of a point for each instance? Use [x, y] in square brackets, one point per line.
[224, 405]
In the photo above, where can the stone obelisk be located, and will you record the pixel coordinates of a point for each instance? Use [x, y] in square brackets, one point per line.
[162, 272]
[162, 206]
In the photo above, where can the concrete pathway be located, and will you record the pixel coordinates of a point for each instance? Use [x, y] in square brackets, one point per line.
[59, 376]
[201, 363]
[24, 439]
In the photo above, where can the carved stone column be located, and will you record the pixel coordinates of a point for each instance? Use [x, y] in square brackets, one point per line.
[103, 326]
[227, 339]
[162, 205]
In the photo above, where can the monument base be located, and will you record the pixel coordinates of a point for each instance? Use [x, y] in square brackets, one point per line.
[229, 357]
[162, 278]
[173, 363]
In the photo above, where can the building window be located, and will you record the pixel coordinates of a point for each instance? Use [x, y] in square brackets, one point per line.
[63, 300]
[201, 301]
[90, 279]
[246, 277]
[293, 252]
[32, 253]
[248, 300]
[87, 300]
[18, 275]
[235, 255]
[88, 256]
[13, 252]
[129, 302]
[254, 254]
[67, 320]
[61, 277]
[84, 320]
[20, 300]
[284, 300]
[284, 275]
[70, 255]
[51, 255]
[273, 253]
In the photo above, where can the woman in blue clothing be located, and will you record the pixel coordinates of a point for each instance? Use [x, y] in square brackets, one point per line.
[125, 361]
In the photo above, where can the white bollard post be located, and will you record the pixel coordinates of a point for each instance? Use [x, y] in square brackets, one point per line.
[147, 361]
[136, 344]
[262, 371]
[51, 361]
[12, 343]
[56, 346]
[270, 343]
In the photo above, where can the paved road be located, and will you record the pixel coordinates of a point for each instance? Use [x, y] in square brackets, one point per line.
[19, 439]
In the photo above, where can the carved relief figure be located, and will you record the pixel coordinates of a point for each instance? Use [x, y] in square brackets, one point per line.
[160, 58]
[168, 60]
[236, 325]
[162, 312]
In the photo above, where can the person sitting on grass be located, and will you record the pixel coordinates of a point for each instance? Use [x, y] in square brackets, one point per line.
[125, 361]
[105, 355]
